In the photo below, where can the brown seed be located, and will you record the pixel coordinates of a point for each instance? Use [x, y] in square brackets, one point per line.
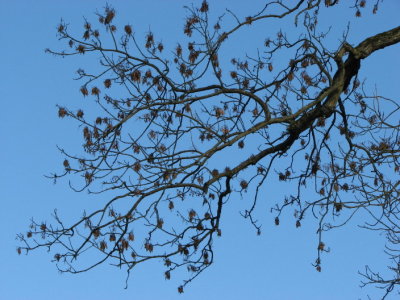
[81, 49]
[321, 246]
[160, 223]
[95, 91]
[167, 275]
[338, 206]
[60, 28]
[148, 246]
[103, 245]
[188, 108]
[167, 262]
[244, 184]
[107, 83]
[96, 233]
[128, 29]
[62, 112]
[110, 14]
[204, 6]
[214, 173]
[80, 113]
[137, 166]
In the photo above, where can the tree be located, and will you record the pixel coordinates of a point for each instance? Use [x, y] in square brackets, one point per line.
[297, 112]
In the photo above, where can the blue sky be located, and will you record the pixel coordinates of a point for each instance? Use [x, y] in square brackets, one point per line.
[275, 265]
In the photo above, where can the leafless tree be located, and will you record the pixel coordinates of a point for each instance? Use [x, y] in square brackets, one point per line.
[297, 112]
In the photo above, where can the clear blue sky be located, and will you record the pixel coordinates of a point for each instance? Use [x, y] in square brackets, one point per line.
[275, 265]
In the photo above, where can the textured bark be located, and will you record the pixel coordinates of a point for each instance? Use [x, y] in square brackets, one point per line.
[346, 72]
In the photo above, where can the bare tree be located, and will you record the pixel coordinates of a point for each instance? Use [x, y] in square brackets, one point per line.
[297, 112]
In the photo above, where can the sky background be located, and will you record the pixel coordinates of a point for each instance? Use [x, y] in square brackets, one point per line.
[275, 265]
